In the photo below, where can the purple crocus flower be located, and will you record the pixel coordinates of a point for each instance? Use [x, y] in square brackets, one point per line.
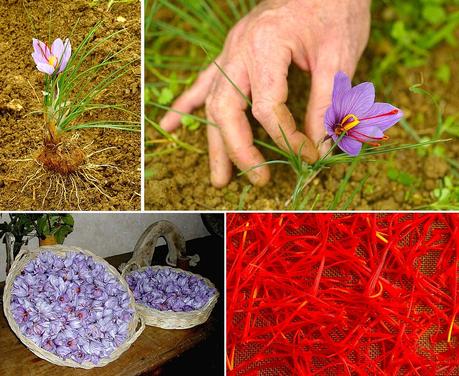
[354, 113]
[71, 307]
[48, 59]
[168, 289]
[20, 314]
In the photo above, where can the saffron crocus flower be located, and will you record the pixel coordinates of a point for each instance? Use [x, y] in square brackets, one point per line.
[169, 290]
[50, 59]
[355, 117]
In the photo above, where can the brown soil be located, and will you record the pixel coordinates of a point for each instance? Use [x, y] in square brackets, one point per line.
[114, 155]
[180, 180]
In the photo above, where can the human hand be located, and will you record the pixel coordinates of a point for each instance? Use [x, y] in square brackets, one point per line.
[320, 36]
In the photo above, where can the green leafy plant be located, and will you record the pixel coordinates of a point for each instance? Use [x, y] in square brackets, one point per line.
[400, 177]
[57, 225]
[414, 29]
[26, 226]
[305, 172]
[79, 85]
[21, 226]
[446, 195]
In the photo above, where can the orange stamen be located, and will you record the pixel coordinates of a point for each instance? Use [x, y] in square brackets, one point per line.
[450, 331]
[230, 361]
[244, 235]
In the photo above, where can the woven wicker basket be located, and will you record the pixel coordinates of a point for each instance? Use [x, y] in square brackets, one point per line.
[172, 319]
[136, 326]
[141, 258]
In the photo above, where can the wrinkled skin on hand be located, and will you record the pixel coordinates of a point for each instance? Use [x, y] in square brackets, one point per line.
[320, 36]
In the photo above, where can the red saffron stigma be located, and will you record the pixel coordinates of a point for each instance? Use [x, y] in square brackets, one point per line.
[393, 112]
[365, 139]
[342, 294]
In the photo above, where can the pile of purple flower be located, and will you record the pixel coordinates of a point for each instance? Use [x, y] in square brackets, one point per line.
[169, 290]
[71, 306]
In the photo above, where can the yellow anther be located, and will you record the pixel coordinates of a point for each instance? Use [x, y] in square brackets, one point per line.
[450, 331]
[244, 235]
[354, 121]
[52, 60]
[381, 237]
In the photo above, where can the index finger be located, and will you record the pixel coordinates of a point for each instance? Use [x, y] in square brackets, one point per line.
[268, 72]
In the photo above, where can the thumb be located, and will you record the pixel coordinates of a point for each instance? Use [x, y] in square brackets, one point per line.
[319, 100]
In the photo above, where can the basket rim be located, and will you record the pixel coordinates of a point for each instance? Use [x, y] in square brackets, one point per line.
[22, 259]
[210, 303]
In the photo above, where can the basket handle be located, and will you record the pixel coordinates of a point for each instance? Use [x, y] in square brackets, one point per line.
[126, 268]
[9, 242]
[139, 330]
[145, 246]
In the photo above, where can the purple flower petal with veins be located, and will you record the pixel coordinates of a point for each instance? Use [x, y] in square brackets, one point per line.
[353, 117]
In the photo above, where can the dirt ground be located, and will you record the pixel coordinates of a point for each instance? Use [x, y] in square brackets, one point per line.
[180, 180]
[118, 181]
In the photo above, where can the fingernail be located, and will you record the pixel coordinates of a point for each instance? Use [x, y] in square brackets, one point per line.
[257, 179]
[309, 151]
[324, 147]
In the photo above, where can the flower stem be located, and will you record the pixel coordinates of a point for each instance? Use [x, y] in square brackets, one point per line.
[51, 134]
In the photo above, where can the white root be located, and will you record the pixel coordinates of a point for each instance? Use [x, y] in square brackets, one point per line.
[85, 177]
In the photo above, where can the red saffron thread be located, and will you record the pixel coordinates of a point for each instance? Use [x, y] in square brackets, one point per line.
[393, 112]
[342, 294]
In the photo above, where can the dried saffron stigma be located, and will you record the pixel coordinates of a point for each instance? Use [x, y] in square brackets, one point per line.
[354, 118]
[342, 294]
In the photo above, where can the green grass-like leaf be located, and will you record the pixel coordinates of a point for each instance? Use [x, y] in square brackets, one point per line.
[76, 90]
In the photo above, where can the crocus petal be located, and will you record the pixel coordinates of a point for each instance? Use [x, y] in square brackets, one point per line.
[357, 100]
[350, 146]
[45, 68]
[341, 85]
[65, 56]
[166, 289]
[41, 51]
[38, 58]
[382, 122]
[57, 48]
[330, 118]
